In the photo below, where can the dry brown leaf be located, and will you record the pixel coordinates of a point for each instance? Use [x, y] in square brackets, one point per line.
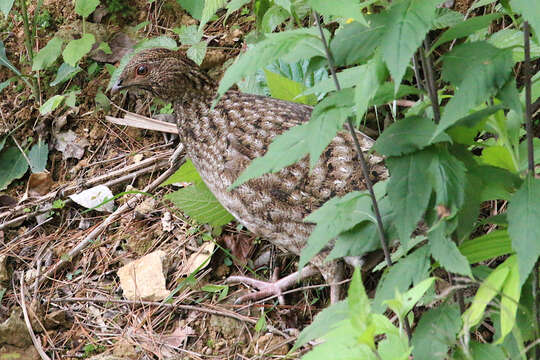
[199, 258]
[39, 184]
[240, 246]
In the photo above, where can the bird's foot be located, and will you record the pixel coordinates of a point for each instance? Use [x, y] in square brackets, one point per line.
[274, 287]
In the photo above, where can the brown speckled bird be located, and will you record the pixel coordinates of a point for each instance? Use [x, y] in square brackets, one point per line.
[221, 142]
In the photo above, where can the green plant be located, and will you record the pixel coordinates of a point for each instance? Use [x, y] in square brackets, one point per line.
[467, 141]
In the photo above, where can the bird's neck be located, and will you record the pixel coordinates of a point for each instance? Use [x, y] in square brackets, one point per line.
[188, 85]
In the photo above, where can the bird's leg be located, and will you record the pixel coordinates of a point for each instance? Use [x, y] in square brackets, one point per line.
[274, 287]
[332, 273]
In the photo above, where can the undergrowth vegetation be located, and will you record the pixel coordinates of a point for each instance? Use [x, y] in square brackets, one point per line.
[458, 147]
[451, 99]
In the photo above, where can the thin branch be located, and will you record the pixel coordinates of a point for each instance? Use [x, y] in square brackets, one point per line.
[35, 340]
[430, 81]
[419, 83]
[362, 161]
[359, 151]
[528, 106]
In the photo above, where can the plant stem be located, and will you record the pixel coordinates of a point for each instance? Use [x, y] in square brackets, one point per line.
[419, 84]
[528, 115]
[29, 41]
[28, 36]
[362, 161]
[360, 154]
[531, 172]
[430, 81]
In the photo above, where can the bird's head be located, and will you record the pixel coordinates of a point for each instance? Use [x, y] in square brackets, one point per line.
[166, 74]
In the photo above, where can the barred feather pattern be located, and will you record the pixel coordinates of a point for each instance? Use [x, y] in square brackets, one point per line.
[222, 141]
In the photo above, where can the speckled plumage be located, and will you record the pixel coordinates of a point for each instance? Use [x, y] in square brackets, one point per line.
[222, 141]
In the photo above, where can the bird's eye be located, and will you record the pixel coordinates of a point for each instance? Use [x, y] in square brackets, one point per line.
[142, 70]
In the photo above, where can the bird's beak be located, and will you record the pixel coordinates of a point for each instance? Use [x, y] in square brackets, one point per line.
[117, 87]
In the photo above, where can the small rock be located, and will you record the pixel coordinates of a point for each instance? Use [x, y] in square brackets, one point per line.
[144, 279]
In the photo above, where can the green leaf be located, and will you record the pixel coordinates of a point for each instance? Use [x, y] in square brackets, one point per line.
[75, 50]
[273, 17]
[487, 291]
[5, 6]
[465, 28]
[4, 60]
[408, 190]
[293, 143]
[408, 135]
[513, 39]
[38, 156]
[160, 41]
[489, 246]
[445, 251]
[65, 72]
[186, 173]
[342, 343]
[51, 104]
[234, 5]
[5, 84]
[366, 89]
[448, 176]
[261, 323]
[327, 119]
[286, 89]
[103, 46]
[464, 131]
[346, 78]
[498, 183]
[411, 269]
[197, 52]
[477, 70]
[355, 43]
[198, 202]
[394, 347]
[293, 44]
[529, 10]
[312, 138]
[344, 9]
[193, 7]
[498, 156]
[486, 351]
[364, 237]
[403, 303]
[386, 94]
[323, 323]
[435, 331]
[188, 35]
[523, 214]
[48, 55]
[210, 8]
[509, 298]
[2, 142]
[13, 165]
[359, 303]
[85, 7]
[406, 25]
[447, 18]
[335, 216]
